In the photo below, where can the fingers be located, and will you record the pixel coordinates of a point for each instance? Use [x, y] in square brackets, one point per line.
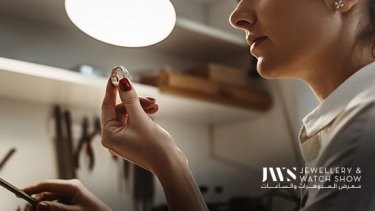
[66, 188]
[130, 100]
[55, 206]
[150, 99]
[109, 103]
[113, 112]
[147, 102]
[148, 106]
[153, 109]
[47, 196]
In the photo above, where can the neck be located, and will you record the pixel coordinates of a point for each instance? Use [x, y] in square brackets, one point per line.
[330, 73]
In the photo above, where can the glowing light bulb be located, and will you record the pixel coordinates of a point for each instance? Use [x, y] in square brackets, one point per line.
[128, 23]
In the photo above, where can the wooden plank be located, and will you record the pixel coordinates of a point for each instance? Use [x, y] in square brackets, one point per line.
[222, 74]
[191, 86]
[260, 103]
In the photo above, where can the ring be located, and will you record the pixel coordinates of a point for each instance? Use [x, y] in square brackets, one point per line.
[118, 73]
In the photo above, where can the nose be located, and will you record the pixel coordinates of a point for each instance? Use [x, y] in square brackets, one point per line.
[243, 16]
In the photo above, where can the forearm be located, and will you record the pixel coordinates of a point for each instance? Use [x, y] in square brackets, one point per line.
[180, 188]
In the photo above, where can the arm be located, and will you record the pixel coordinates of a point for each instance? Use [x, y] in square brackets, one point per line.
[180, 188]
[130, 133]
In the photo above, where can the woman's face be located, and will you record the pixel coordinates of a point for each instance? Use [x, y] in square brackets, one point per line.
[296, 33]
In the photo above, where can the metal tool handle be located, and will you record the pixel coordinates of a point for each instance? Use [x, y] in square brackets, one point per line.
[18, 192]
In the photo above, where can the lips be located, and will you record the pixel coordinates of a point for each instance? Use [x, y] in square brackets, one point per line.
[251, 39]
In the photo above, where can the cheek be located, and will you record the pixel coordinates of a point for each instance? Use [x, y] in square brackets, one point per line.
[287, 25]
[293, 35]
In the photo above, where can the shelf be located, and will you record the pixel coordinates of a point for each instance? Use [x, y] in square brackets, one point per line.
[31, 82]
[198, 41]
[206, 88]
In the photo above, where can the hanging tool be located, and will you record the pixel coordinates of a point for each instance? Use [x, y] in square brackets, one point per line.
[89, 149]
[82, 140]
[68, 145]
[63, 141]
[125, 174]
[144, 190]
[59, 143]
[86, 141]
[126, 166]
[7, 157]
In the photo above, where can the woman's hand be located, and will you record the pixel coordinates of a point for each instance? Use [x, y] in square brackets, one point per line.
[64, 195]
[128, 131]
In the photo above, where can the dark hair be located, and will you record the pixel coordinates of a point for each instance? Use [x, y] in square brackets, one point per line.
[368, 33]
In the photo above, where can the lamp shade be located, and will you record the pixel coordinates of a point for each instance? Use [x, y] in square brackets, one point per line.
[128, 23]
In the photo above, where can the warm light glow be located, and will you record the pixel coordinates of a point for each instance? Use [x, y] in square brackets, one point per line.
[129, 23]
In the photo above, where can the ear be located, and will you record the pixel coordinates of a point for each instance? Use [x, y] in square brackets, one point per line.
[343, 6]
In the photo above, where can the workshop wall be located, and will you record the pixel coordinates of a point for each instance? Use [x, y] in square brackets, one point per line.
[29, 128]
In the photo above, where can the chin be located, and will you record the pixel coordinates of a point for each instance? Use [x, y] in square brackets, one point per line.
[268, 70]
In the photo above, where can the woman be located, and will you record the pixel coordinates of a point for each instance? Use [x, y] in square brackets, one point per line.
[327, 43]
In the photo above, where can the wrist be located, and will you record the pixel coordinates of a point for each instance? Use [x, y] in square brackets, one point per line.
[172, 164]
[180, 188]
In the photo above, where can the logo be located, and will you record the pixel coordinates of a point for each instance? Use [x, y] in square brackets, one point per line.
[280, 174]
[342, 178]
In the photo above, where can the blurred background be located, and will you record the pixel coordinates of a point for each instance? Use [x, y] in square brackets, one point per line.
[230, 122]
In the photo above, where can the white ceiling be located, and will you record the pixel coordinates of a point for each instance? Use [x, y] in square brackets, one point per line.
[40, 31]
[51, 11]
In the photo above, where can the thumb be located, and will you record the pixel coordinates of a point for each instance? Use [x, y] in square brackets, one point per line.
[130, 99]
[55, 206]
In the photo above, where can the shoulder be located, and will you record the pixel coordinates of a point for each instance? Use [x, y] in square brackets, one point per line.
[353, 132]
[353, 144]
[357, 120]
[352, 147]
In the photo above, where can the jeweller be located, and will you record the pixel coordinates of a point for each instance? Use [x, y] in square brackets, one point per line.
[118, 73]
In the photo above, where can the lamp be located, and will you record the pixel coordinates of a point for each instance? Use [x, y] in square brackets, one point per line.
[128, 23]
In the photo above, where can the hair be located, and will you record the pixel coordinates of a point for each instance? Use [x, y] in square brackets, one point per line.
[368, 34]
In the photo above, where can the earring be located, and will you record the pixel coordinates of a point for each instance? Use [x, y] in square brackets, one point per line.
[339, 4]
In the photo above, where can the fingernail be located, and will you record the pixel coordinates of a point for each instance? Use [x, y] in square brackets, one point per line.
[148, 106]
[125, 85]
[153, 107]
[43, 206]
[151, 98]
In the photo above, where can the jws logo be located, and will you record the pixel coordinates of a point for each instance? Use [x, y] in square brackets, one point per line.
[283, 174]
